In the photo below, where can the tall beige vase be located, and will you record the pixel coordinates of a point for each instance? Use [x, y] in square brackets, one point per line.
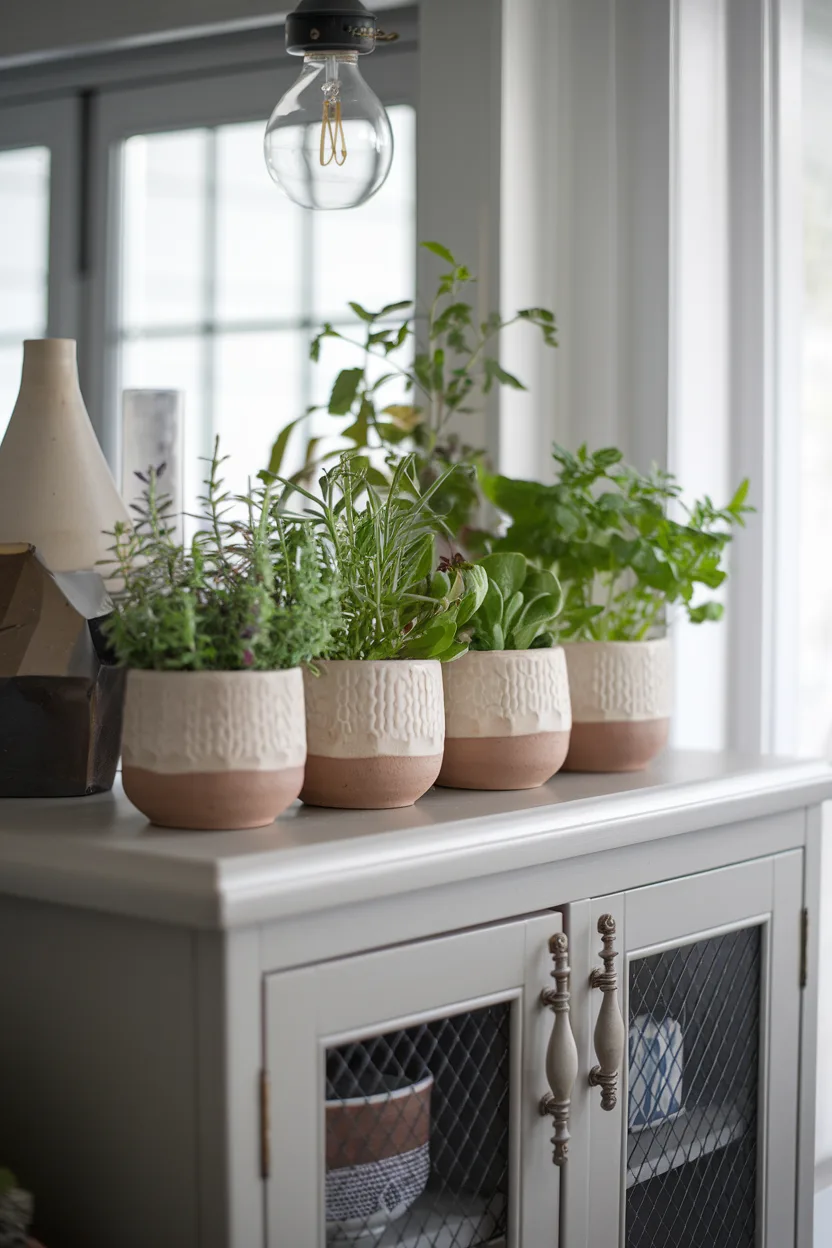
[375, 731]
[60, 697]
[507, 718]
[621, 703]
[56, 489]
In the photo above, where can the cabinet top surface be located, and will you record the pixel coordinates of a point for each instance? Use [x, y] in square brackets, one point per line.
[99, 852]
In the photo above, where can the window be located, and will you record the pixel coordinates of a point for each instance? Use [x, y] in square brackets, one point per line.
[223, 282]
[24, 261]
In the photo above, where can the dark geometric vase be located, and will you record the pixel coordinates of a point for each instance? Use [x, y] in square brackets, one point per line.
[61, 698]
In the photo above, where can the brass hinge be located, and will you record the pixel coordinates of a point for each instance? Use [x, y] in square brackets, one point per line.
[265, 1126]
[804, 948]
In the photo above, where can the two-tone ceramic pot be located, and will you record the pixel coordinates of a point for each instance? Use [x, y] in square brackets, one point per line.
[507, 718]
[377, 1150]
[621, 703]
[375, 731]
[213, 750]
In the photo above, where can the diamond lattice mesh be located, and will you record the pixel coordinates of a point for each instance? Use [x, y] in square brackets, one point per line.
[417, 1135]
[692, 1106]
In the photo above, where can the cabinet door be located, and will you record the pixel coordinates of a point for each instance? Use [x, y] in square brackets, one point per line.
[700, 1147]
[405, 1088]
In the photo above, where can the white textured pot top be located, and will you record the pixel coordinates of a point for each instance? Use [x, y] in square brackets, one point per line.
[620, 681]
[363, 708]
[180, 722]
[507, 693]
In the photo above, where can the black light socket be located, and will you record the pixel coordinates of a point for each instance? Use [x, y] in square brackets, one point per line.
[334, 26]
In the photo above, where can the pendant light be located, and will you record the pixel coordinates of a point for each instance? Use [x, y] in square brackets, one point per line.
[328, 143]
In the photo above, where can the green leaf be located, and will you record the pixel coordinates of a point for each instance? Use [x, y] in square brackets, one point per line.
[512, 609]
[706, 611]
[344, 391]
[491, 607]
[737, 503]
[440, 585]
[453, 651]
[535, 615]
[405, 415]
[362, 312]
[508, 570]
[436, 638]
[612, 502]
[439, 250]
[494, 372]
[278, 450]
[390, 308]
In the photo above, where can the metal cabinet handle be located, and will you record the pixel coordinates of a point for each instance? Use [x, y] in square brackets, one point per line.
[562, 1053]
[609, 1029]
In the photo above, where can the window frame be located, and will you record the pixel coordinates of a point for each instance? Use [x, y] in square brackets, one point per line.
[54, 124]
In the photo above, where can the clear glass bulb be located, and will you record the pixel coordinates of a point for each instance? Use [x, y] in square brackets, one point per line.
[329, 143]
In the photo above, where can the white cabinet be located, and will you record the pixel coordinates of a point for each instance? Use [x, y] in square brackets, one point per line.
[231, 1040]
[696, 1146]
[348, 1045]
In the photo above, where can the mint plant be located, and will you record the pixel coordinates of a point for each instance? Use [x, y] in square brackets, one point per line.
[422, 386]
[625, 546]
[249, 593]
[381, 548]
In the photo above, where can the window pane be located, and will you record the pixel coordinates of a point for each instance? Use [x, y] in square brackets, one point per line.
[815, 644]
[257, 391]
[260, 257]
[367, 254]
[24, 262]
[165, 189]
[223, 282]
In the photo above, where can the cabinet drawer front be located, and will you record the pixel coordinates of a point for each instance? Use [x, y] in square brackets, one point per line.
[404, 1095]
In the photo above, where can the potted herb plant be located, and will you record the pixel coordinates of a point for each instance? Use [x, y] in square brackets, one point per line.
[374, 709]
[15, 1213]
[628, 552]
[507, 712]
[405, 389]
[213, 635]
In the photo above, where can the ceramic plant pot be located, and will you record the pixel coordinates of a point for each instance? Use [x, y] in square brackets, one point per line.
[377, 1150]
[507, 719]
[375, 731]
[210, 750]
[621, 702]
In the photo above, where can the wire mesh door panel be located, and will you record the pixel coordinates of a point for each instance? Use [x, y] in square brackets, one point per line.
[693, 1156]
[418, 1132]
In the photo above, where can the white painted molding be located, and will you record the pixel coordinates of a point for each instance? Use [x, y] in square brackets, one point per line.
[100, 853]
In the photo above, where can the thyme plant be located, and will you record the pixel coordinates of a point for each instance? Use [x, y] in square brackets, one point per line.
[250, 592]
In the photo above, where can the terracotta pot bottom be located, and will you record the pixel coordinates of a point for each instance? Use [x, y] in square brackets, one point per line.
[625, 746]
[212, 801]
[384, 783]
[502, 762]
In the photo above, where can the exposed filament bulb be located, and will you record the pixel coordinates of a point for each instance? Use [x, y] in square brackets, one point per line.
[328, 142]
[333, 140]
